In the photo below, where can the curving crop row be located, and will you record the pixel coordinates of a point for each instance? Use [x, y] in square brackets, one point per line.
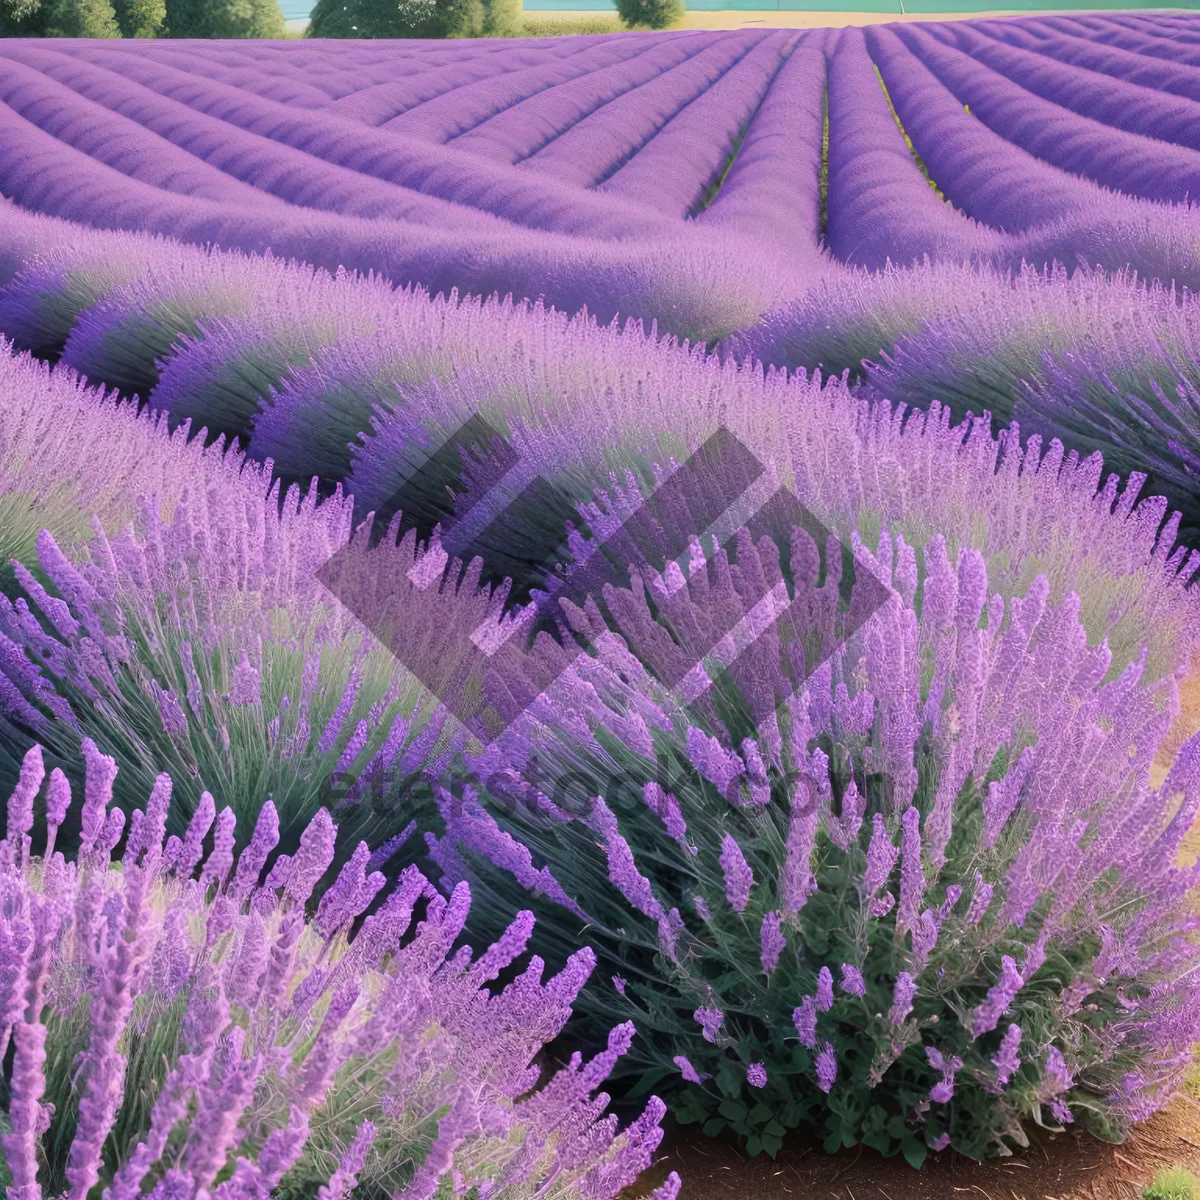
[880, 205]
[173, 148]
[671, 172]
[522, 129]
[980, 172]
[384, 154]
[1114, 158]
[772, 188]
[1174, 79]
[594, 148]
[462, 108]
[1121, 105]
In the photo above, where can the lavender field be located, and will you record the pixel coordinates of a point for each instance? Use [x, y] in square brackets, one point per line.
[559, 591]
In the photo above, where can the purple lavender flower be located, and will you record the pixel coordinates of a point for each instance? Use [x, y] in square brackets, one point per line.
[826, 1068]
[804, 1017]
[881, 859]
[710, 1020]
[1057, 1076]
[1006, 1060]
[1061, 1112]
[824, 989]
[903, 995]
[912, 875]
[940, 1143]
[943, 1090]
[853, 983]
[772, 941]
[245, 688]
[687, 1070]
[20, 802]
[738, 876]
[987, 1016]
[756, 1075]
[980, 901]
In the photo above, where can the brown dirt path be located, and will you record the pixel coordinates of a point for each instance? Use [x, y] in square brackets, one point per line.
[1069, 1166]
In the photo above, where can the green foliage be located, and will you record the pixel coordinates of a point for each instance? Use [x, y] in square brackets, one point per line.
[223, 19]
[1171, 1183]
[22, 18]
[650, 14]
[540, 25]
[882, 1096]
[140, 18]
[80, 19]
[376, 19]
[481, 18]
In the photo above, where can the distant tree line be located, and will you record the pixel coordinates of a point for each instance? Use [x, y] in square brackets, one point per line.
[263, 18]
[457, 18]
[142, 18]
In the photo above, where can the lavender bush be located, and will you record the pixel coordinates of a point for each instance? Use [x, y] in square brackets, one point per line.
[203, 1036]
[917, 893]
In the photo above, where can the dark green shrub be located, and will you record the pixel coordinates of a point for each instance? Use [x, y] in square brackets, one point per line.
[650, 14]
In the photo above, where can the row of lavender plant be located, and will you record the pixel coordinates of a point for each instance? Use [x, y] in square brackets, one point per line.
[1132, 163]
[201, 1035]
[879, 909]
[518, 130]
[596, 146]
[880, 206]
[460, 110]
[1133, 107]
[689, 153]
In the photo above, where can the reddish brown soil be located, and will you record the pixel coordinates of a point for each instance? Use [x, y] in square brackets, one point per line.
[1070, 1166]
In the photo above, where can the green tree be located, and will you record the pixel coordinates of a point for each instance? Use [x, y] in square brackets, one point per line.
[140, 18]
[376, 19]
[482, 18]
[22, 18]
[223, 19]
[80, 19]
[650, 14]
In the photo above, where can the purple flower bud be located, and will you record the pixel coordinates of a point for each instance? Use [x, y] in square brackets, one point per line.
[193, 840]
[756, 1075]
[687, 1070]
[824, 989]
[804, 1018]
[58, 798]
[881, 859]
[853, 983]
[20, 803]
[987, 1016]
[826, 1068]
[772, 942]
[912, 875]
[1006, 1060]
[738, 877]
[313, 856]
[669, 1190]
[245, 688]
[980, 901]
[903, 995]
[710, 1020]
[940, 1143]
[252, 859]
[220, 861]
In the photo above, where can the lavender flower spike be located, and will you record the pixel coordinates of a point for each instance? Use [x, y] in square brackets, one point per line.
[853, 983]
[756, 1075]
[826, 1068]
[902, 998]
[20, 803]
[738, 877]
[772, 941]
[710, 1020]
[987, 1016]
